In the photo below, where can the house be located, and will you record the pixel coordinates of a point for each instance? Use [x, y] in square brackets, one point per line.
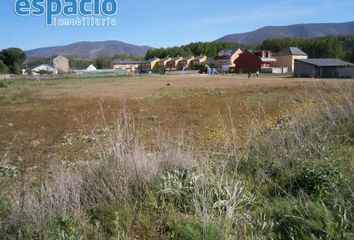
[150, 65]
[45, 69]
[174, 63]
[200, 60]
[128, 65]
[186, 63]
[226, 59]
[286, 58]
[91, 68]
[253, 61]
[162, 64]
[61, 64]
[323, 68]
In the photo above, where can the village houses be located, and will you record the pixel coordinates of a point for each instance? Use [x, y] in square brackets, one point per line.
[174, 63]
[226, 59]
[286, 58]
[150, 65]
[126, 65]
[254, 61]
[200, 60]
[186, 63]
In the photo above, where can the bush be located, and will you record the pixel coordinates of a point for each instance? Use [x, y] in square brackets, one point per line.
[112, 220]
[192, 230]
[178, 188]
[6, 228]
[315, 179]
[293, 219]
[3, 85]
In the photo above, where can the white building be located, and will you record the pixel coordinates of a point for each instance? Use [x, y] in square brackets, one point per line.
[91, 68]
[45, 68]
[61, 64]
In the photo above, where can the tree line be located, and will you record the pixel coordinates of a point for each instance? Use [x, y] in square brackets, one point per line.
[11, 60]
[322, 47]
[192, 49]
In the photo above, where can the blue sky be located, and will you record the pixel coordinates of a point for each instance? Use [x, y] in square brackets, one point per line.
[162, 23]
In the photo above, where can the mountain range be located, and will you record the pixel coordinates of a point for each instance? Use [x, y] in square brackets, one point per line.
[90, 50]
[110, 48]
[295, 31]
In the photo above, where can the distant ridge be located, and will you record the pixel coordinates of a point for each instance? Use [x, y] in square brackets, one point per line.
[90, 50]
[297, 31]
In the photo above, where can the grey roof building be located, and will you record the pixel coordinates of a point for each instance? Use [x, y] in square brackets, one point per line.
[294, 51]
[322, 67]
[326, 62]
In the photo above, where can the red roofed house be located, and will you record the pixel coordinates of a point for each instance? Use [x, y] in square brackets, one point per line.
[253, 61]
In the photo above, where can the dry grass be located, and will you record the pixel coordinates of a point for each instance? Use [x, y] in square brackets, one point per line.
[63, 117]
[195, 143]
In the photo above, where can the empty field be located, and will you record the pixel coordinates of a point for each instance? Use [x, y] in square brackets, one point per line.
[63, 116]
[208, 157]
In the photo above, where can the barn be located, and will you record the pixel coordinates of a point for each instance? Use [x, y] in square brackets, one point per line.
[320, 68]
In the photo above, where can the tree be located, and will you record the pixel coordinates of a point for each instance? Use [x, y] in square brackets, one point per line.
[350, 56]
[13, 58]
[3, 67]
[103, 62]
[210, 49]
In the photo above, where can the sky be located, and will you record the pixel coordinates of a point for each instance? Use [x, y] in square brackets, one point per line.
[163, 23]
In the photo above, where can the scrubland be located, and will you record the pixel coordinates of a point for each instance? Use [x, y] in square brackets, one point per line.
[207, 158]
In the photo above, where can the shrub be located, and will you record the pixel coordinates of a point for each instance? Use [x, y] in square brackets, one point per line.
[3, 85]
[6, 228]
[178, 187]
[193, 230]
[315, 179]
[112, 220]
[293, 219]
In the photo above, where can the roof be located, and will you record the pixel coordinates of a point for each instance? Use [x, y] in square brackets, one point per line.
[258, 51]
[44, 65]
[268, 59]
[325, 62]
[189, 58]
[226, 53]
[200, 57]
[125, 62]
[165, 59]
[61, 56]
[177, 58]
[291, 51]
[87, 66]
[151, 60]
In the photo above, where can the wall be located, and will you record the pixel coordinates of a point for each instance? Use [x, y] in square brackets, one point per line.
[280, 70]
[61, 64]
[248, 62]
[346, 72]
[308, 70]
[4, 76]
[291, 68]
[230, 62]
[288, 61]
[128, 67]
[304, 70]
